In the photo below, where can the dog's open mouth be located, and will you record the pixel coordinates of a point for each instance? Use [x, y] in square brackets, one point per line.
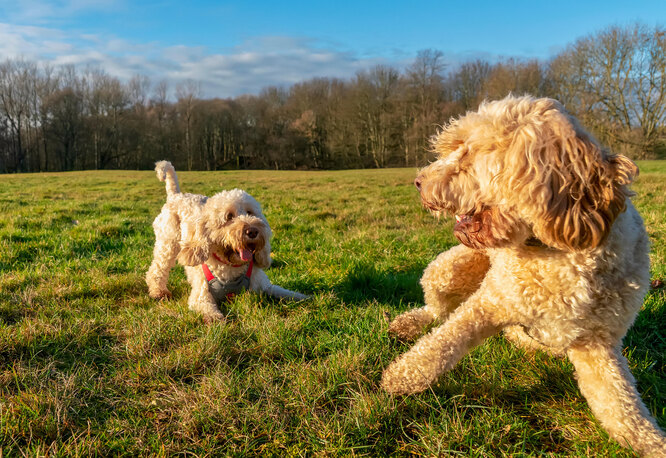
[468, 222]
[247, 252]
[244, 254]
[474, 230]
[483, 229]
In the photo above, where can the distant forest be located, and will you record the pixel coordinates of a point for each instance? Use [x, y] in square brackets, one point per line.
[64, 118]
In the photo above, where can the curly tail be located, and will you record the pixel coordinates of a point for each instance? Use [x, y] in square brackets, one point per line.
[166, 172]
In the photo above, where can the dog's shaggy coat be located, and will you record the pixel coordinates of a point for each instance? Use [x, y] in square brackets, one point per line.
[224, 231]
[554, 253]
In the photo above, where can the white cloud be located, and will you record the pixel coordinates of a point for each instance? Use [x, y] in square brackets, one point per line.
[247, 68]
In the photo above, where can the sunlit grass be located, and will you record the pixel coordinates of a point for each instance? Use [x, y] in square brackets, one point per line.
[90, 365]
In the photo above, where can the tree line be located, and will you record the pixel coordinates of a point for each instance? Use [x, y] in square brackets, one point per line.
[55, 119]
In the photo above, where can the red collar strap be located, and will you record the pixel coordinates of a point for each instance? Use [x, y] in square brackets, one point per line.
[219, 259]
[209, 275]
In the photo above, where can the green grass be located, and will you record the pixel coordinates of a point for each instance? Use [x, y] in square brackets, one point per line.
[89, 365]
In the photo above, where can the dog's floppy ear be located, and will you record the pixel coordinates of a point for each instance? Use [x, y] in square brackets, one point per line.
[263, 257]
[587, 190]
[195, 245]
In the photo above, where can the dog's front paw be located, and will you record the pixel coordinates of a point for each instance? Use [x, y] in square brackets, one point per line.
[407, 376]
[410, 325]
[212, 318]
[160, 294]
[211, 313]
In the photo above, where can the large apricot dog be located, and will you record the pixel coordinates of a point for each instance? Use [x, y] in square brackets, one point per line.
[553, 253]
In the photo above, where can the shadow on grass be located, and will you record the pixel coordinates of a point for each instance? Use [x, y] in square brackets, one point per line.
[22, 256]
[531, 403]
[364, 281]
[118, 288]
[55, 392]
[23, 251]
[11, 314]
[645, 347]
[12, 303]
[64, 350]
[101, 245]
[648, 335]
[277, 264]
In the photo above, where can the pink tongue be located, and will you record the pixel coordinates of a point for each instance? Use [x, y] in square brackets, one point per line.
[245, 254]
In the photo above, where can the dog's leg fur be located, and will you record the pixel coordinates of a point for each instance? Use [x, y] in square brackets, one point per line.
[200, 299]
[447, 282]
[261, 282]
[440, 350]
[164, 254]
[610, 390]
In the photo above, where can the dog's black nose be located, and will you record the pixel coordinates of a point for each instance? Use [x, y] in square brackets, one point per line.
[252, 232]
[417, 183]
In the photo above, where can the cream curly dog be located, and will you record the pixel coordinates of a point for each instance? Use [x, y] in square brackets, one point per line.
[554, 254]
[225, 236]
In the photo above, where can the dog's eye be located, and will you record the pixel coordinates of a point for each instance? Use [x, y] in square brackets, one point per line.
[229, 216]
[249, 212]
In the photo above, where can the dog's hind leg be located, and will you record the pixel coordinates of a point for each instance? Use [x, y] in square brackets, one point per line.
[261, 283]
[167, 235]
[610, 389]
[447, 282]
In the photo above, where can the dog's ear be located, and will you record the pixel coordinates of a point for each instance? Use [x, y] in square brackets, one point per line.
[263, 257]
[587, 190]
[195, 245]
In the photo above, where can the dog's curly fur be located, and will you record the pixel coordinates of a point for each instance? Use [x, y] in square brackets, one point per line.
[192, 228]
[554, 253]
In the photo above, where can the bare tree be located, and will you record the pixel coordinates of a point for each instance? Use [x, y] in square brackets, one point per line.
[187, 95]
[47, 85]
[65, 107]
[466, 84]
[107, 104]
[514, 76]
[376, 110]
[60, 119]
[615, 81]
[425, 90]
[16, 92]
[159, 108]
[308, 106]
[137, 91]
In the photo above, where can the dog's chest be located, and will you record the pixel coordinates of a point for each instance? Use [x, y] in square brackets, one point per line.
[228, 274]
[548, 295]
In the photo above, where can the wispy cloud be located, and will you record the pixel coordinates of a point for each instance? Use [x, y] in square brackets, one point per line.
[246, 68]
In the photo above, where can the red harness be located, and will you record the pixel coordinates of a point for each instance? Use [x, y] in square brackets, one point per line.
[209, 275]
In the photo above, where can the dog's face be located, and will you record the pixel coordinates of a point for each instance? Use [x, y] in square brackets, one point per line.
[522, 168]
[232, 227]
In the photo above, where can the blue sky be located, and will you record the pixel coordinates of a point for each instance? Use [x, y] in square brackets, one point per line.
[239, 47]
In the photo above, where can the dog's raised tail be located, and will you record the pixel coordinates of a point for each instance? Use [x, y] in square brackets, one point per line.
[166, 173]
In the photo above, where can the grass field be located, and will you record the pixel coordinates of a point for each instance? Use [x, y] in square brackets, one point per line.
[90, 365]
